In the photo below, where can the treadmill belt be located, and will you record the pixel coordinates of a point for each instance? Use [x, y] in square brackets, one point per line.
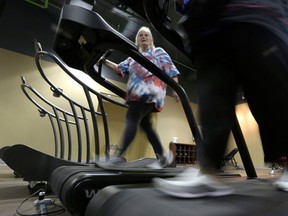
[252, 197]
[139, 163]
[135, 166]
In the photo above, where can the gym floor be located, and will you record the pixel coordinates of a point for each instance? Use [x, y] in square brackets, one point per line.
[14, 191]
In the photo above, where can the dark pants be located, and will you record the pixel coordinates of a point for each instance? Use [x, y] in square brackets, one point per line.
[139, 113]
[256, 59]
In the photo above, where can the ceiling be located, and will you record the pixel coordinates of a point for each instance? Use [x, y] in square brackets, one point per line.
[22, 21]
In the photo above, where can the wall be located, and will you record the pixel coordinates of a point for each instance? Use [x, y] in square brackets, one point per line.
[20, 121]
[250, 132]
[19, 117]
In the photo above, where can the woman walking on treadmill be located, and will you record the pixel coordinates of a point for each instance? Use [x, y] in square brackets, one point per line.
[145, 95]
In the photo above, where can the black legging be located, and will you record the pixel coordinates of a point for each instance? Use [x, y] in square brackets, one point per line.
[256, 59]
[139, 113]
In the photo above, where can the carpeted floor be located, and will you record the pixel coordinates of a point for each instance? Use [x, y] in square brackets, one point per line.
[14, 191]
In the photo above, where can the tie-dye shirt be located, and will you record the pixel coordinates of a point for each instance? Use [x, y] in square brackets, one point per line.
[142, 85]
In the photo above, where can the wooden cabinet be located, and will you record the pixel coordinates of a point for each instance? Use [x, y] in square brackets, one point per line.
[184, 154]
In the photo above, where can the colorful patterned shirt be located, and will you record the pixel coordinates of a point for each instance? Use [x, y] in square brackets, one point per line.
[142, 85]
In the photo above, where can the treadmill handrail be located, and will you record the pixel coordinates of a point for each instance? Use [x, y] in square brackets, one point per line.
[92, 20]
[124, 45]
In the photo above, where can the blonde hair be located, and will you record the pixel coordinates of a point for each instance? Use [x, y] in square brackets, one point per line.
[146, 29]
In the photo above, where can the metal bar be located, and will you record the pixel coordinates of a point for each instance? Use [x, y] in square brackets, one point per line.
[78, 129]
[105, 125]
[243, 150]
[69, 153]
[87, 136]
[55, 135]
[94, 122]
[61, 135]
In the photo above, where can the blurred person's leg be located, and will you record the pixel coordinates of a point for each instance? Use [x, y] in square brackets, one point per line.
[152, 135]
[239, 55]
[217, 87]
[264, 74]
[163, 159]
[135, 113]
[216, 99]
[265, 81]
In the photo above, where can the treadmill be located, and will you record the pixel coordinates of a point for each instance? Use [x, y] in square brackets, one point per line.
[82, 38]
[80, 41]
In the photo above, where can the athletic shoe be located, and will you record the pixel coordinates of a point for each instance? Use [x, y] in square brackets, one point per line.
[114, 160]
[192, 186]
[187, 174]
[282, 182]
[162, 161]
